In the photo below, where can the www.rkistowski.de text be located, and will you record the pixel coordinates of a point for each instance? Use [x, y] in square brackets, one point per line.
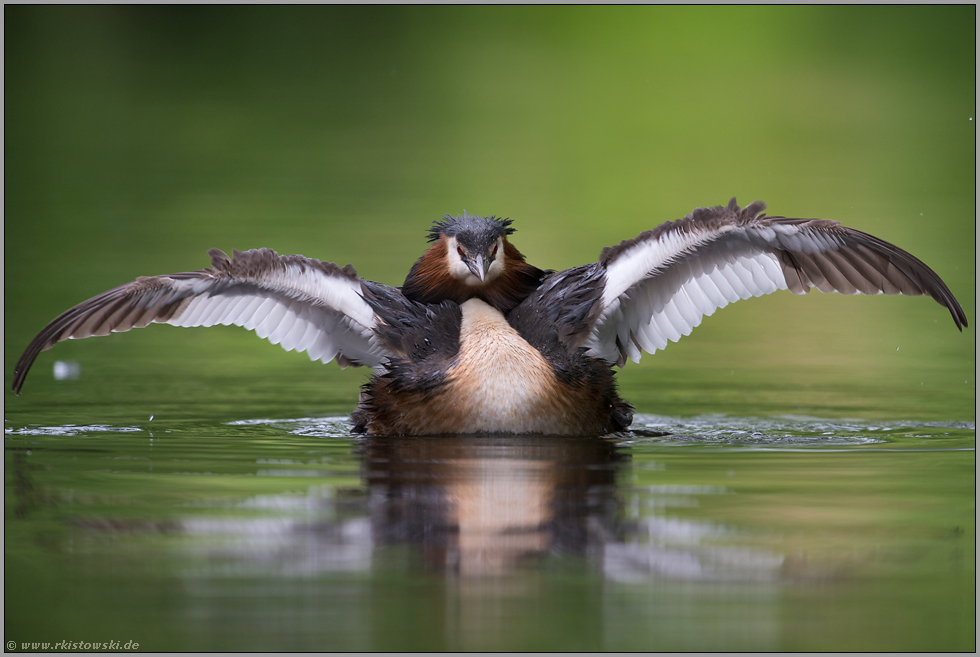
[72, 645]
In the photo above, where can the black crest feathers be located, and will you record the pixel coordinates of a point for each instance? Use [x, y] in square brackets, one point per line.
[489, 228]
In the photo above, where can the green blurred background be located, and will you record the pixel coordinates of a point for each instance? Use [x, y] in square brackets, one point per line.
[138, 137]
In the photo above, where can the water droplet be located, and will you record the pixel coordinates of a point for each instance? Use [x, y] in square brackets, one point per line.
[66, 369]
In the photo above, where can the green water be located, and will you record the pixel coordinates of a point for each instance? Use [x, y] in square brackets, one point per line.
[802, 471]
[727, 534]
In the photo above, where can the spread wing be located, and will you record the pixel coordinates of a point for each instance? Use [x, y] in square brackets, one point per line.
[658, 286]
[296, 302]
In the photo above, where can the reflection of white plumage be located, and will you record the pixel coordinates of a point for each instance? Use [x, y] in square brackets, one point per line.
[472, 312]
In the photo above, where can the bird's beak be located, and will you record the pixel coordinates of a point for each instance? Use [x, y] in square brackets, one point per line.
[478, 267]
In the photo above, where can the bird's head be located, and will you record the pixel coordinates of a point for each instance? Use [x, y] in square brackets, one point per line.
[471, 257]
[474, 247]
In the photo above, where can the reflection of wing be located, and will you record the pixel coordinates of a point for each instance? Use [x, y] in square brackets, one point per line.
[659, 285]
[296, 302]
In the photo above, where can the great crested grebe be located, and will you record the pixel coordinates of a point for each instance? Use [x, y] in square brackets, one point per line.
[477, 340]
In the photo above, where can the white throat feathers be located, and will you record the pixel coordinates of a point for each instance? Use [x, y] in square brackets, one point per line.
[457, 256]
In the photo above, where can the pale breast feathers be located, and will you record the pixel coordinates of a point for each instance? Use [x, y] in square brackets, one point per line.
[300, 303]
[658, 286]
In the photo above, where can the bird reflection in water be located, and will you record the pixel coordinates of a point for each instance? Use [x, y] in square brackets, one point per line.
[481, 506]
[485, 507]
[480, 542]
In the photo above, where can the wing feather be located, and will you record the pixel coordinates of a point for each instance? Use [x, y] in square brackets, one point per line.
[233, 310]
[300, 337]
[248, 309]
[720, 278]
[696, 293]
[283, 327]
[287, 335]
[296, 302]
[658, 286]
[686, 308]
[667, 328]
[269, 320]
[706, 282]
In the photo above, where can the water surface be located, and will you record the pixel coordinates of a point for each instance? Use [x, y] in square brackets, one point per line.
[703, 533]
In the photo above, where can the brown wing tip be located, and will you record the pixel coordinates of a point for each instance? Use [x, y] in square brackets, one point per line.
[25, 361]
[958, 315]
[219, 259]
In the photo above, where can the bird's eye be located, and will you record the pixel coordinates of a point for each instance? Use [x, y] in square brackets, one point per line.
[459, 250]
[495, 247]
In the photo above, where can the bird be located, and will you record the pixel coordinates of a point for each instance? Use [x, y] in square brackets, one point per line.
[477, 340]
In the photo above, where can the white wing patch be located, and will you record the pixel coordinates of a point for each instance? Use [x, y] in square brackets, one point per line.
[300, 309]
[691, 277]
[299, 303]
[658, 287]
[637, 263]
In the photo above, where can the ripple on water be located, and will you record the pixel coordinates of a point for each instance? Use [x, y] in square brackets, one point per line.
[68, 430]
[324, 427]
[785, 430]
[778, 431]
